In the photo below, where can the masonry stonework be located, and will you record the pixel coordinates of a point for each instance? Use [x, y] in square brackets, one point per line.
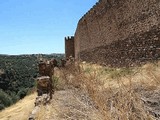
[119, 33]
[69, 47]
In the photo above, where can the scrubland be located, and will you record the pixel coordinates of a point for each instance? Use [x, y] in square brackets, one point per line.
[91, 92]
[119, 93]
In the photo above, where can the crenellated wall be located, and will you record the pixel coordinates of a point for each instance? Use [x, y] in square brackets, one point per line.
[119, 32]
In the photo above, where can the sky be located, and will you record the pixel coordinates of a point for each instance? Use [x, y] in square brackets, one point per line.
[39, 26]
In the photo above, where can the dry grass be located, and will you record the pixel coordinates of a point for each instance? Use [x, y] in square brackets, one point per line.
[117, 93]
[20, 110]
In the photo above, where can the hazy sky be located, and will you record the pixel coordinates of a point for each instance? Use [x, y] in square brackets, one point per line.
[39, 26]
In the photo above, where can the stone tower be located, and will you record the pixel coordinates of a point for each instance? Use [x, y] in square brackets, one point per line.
[69, 47]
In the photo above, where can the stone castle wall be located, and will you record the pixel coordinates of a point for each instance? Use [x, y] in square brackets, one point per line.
[119, 32]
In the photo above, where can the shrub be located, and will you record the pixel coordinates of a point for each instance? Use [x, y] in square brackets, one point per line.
[22, 93]
[55, 82]
[5, 99]
[1, 106]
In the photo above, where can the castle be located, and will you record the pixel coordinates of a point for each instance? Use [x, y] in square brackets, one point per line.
[117, 33]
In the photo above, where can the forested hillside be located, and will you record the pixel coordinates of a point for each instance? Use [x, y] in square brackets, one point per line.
[17, 75]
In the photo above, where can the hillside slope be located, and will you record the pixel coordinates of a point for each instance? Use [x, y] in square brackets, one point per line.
[66, 104]
[17, 74]
[92, 92]
[20, 110]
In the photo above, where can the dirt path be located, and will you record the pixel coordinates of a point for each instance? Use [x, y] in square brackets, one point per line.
[69, 104]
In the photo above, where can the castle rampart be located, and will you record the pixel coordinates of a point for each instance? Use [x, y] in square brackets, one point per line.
[119, 32]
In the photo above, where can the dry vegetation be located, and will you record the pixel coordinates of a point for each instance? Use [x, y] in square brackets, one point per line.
[91, 92]
[20, 110]
[122, 93]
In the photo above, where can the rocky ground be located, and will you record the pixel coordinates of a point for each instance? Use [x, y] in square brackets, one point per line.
[151, 101]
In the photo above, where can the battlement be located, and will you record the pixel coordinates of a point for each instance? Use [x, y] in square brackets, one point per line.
[101, 4]
[100, 8]
[89, 12]
[69, 38]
